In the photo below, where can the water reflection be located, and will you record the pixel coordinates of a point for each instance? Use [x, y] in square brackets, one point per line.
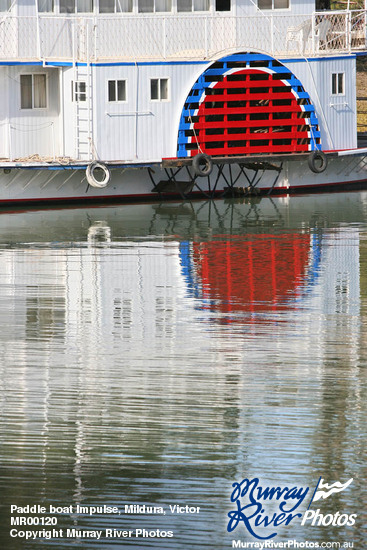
[157, 353]
[253, 274]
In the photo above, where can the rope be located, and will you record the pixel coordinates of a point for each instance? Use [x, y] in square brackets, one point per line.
[195, 136]
[38, 158]
[31, 127]
[93, 149]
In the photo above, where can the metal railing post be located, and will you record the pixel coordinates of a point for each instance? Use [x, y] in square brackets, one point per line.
[272, 34]
[164, 38]
[38, 37]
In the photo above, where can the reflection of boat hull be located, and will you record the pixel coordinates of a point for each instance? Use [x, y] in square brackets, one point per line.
[180, 220]
[35, 183]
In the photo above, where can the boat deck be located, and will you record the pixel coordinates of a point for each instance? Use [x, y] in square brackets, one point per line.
[64, 163]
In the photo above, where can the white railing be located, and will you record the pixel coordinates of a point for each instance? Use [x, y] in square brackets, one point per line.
[136, 37]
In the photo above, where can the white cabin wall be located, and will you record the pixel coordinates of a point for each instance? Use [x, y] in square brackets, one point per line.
[338, 126]
[114, 127]
[159, 133]
[68, 113]
[150, 135]
[140, 129]
[4, 105]
[34, 131]
[340, 111]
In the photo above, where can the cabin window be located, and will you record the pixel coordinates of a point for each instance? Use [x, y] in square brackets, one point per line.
[33, 93]
[222, 5]
[79, 90]
[150, 6]
[45, 6]
[117, 90]
[5, 5]
[192, 5]
[273, 4]
[72, 6]
[159, 89]
[115, 6]
[337, 84]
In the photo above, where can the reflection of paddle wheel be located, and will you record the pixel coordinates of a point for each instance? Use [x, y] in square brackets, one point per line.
[255, 275]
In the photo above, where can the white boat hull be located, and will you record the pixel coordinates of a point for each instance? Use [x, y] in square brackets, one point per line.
[22, 183]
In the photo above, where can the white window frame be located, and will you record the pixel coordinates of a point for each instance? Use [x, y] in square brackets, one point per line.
[52, 10]
[76, 93]
[8, 6]
[75, 8]
[159, 99]
[275, 9]
[154, 8]
[116, 80]
[32, 75]
[337, 92]
[116, 9]
[193, 10]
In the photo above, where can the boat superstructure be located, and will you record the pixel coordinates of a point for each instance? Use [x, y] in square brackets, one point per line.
[132, 98]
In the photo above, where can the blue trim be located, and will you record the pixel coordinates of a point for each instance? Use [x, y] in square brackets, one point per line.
[11, 63]
[61, 64]
[317, 59]
[151, 63]
[173, 63]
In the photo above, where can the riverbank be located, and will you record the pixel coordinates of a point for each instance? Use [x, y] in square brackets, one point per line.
[362, 92]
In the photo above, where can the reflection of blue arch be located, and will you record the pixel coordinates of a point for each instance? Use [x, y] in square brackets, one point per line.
[198, 92]
[194, 285]
[313, 273]
[187, 269]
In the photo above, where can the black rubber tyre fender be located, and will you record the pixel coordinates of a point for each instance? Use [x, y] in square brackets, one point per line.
[202, 164]
[317, 162]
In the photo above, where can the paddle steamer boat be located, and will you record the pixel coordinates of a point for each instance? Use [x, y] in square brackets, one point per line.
[144, 99]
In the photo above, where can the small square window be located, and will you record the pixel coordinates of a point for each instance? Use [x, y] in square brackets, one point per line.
[222, 5]
[150, 6]
[117, 90]
[79, 6]
[33, 91]
[79, 91]
[45, 6]
[115, 6]
[159, 89]
[5, 5]
[192, 5]
[337, 84]
[273, 4]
